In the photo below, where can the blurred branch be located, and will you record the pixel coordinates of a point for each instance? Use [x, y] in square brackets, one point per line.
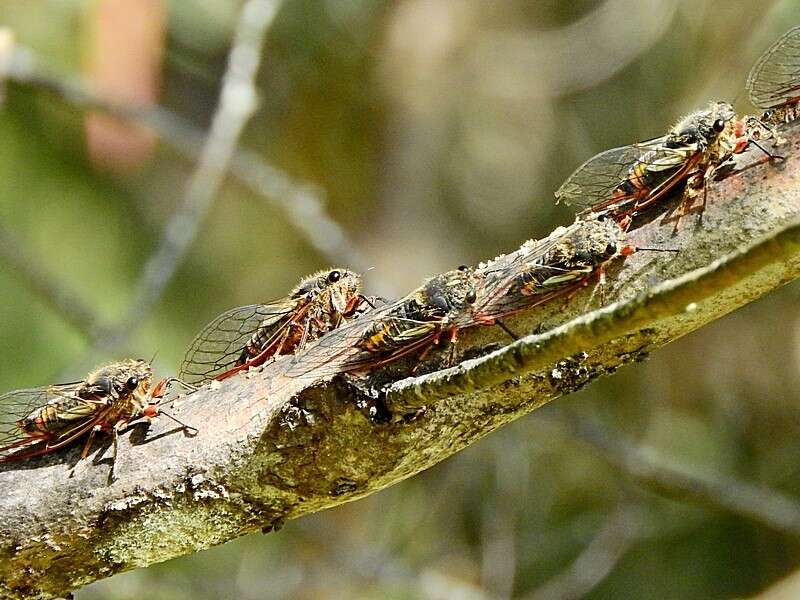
[69, 306]
[302, 203]
[272, 448]
[759, 504]
[597, 560]
[237, 103]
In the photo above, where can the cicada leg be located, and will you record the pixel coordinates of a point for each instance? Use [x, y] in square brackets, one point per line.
[112, 474]
[505, 328]
[452, 338]
[304, 334]
[599, 287]
[85, 451]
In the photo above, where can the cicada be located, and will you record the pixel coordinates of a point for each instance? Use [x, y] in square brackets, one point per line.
[622, 182]
[248, 336]
[548, 268]
[43, 420]
[774, 81]
[432, 313]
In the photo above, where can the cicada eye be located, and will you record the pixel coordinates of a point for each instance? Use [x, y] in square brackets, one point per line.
[719, 125]
[132, 383]
[611, 249]
[463, 268]
[334, 276]
[470, 297]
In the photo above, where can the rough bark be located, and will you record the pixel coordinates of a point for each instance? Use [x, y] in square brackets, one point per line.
[271, 449]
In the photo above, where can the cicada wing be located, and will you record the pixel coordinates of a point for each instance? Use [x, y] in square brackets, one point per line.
[775, 77]
[342, 349]
[219, 346]
[64, 406]
[596, 180]
[499, 275]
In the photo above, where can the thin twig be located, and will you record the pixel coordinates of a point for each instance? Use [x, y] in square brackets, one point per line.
[302, 203]
[238, 101]
[69, 306]
[760, 504]
[598, 559]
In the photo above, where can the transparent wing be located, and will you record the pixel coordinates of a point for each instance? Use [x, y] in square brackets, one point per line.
[775, 78]
[18, 404]
[496, 299]
[219, 346]
[597, 179]
[343, 350]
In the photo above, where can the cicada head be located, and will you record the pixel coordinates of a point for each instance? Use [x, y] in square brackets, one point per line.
[120, 380]
[449, 293]
[713, 128]
[335, 290]
[595, 242]
[715, 125]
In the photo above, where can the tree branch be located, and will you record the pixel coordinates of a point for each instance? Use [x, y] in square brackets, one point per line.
[272, 448]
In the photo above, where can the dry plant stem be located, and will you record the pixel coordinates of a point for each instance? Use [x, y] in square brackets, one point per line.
[271, 449]
[757, 503]
[302, 202]
[598, 559]
[236, 105]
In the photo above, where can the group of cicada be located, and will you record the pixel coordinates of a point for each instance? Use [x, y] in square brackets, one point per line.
[330, 327]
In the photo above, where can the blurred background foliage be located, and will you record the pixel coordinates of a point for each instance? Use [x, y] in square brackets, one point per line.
[438, 130]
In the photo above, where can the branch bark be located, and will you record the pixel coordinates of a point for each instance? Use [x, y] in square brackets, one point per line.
[271, 449]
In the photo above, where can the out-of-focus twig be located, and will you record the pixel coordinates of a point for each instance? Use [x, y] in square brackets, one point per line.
[302, 203]
[597, 560]
[69, 306]
[760, 504]
[237, 104]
